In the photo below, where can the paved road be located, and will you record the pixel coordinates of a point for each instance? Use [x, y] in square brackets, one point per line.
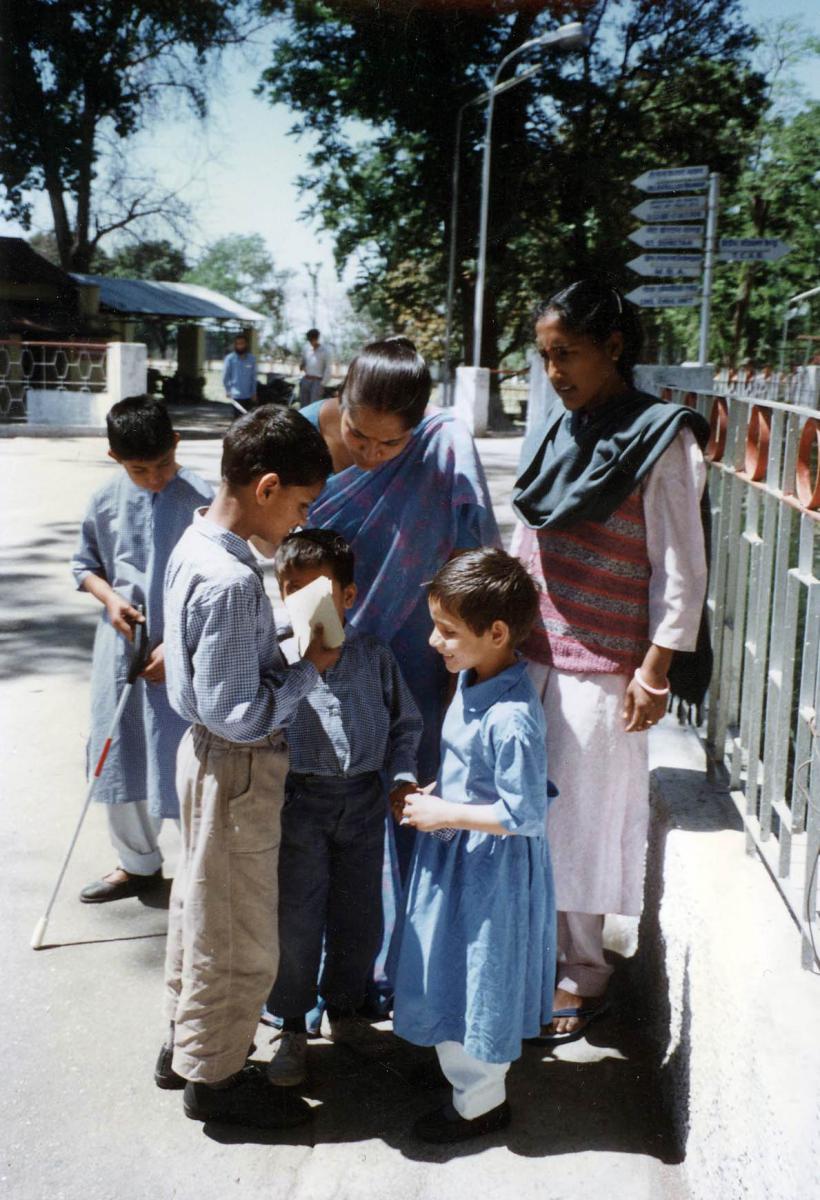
[81, 1024]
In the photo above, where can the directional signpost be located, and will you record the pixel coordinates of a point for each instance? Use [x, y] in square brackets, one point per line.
[673, 179]
[671, 208]
[664, 231]
[668, 237]
[665, 295]
[751, 249]
[666, 264]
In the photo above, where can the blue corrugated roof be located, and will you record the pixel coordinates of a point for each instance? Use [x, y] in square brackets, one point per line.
[135, 296]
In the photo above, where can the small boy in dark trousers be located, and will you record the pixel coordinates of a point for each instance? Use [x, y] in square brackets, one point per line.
[358, 725]
[226, 675]
[130, 528]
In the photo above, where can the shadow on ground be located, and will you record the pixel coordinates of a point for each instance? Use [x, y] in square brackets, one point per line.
[682, 799]
[560, 1106]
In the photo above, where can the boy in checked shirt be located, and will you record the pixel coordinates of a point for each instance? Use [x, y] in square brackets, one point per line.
[226, 675]
[356, 729]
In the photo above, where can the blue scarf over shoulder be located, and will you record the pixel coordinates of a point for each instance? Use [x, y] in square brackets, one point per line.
[582, 466]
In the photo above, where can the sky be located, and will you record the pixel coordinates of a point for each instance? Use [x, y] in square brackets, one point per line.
[238, 170]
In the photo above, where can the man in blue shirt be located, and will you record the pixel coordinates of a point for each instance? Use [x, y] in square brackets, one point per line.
[239, 375]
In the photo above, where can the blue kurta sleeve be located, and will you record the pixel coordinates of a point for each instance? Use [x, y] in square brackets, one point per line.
[232, 698]
[405, 723]
[521, 777]
[87, 559]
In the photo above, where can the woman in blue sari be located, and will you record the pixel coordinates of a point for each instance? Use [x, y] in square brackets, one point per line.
[408, 492]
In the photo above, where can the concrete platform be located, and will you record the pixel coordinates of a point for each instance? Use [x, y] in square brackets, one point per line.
[81, 1025]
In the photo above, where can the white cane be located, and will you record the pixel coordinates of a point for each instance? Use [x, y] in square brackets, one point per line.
[138, 662]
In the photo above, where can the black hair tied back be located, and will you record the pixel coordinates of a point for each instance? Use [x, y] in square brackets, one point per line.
[594, 309]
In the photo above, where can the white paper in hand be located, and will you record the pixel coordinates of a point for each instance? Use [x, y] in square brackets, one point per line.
[311, 606]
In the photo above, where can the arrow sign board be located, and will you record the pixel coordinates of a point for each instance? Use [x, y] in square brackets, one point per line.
[673, 179]
[671, 208]
[666, 264]
[752, 249]
[665, 295]
[668, 237]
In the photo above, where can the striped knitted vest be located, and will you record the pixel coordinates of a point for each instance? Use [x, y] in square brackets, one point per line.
[595, 592]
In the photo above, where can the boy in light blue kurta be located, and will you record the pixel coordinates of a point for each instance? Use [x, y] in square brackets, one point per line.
[476, 966]
[130, 528]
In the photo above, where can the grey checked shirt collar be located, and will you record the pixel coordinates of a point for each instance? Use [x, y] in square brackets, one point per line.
[232, 542]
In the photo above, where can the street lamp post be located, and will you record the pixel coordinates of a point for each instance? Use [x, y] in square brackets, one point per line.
[451, 266]
[569, 37]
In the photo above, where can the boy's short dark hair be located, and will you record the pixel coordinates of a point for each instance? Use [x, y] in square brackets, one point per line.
[486, 585]
[278, 440]
[316, 548]
[139, 427]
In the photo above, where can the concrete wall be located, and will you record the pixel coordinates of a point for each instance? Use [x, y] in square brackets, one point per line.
[126, 375]
[46, 407]
[652, 377]
[717, 984]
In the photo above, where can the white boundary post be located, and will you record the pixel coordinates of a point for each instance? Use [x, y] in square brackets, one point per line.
[710, 249]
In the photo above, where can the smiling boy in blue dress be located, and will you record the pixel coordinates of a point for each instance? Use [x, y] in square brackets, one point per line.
[476, 967]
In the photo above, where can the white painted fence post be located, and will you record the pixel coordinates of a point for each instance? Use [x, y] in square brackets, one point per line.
[126, 370]
[472, 398]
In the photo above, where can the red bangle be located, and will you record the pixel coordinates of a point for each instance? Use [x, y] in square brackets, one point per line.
[652, 690]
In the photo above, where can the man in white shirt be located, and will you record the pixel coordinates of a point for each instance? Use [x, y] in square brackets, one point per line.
[315, 363]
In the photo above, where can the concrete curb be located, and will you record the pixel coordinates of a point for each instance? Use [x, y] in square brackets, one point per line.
[718, 988]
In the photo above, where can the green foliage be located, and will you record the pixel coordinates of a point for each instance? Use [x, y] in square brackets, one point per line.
[146, 260]
[240, 266]
[777, 195]
[70, 69]
[662, 83]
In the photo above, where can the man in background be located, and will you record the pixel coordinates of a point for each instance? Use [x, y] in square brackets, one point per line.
[315, 363]
[239, 375]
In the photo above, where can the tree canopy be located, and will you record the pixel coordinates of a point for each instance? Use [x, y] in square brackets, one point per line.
[662, 83]
[72, 70]
[240, 266]
[145, 260]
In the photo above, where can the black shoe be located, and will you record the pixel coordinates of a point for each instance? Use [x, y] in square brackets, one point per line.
[445, 1125]
[251, 1100]
[164, 1074]
[106, 889]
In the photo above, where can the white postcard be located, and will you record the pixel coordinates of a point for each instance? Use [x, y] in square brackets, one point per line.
[312, 606]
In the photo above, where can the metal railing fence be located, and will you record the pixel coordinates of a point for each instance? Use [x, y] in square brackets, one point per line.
[764, 596]
[52, 366]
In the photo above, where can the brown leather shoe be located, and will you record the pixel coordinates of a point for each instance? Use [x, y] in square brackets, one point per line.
[117, 885]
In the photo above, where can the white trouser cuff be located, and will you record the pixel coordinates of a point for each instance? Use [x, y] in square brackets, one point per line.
[134, 833]
[582, 967]
[478, 1086]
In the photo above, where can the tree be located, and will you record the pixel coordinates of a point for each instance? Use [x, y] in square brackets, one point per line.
[147, 260]
[663, 82]
[240, 266]
[776, 195]
[73, 72]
